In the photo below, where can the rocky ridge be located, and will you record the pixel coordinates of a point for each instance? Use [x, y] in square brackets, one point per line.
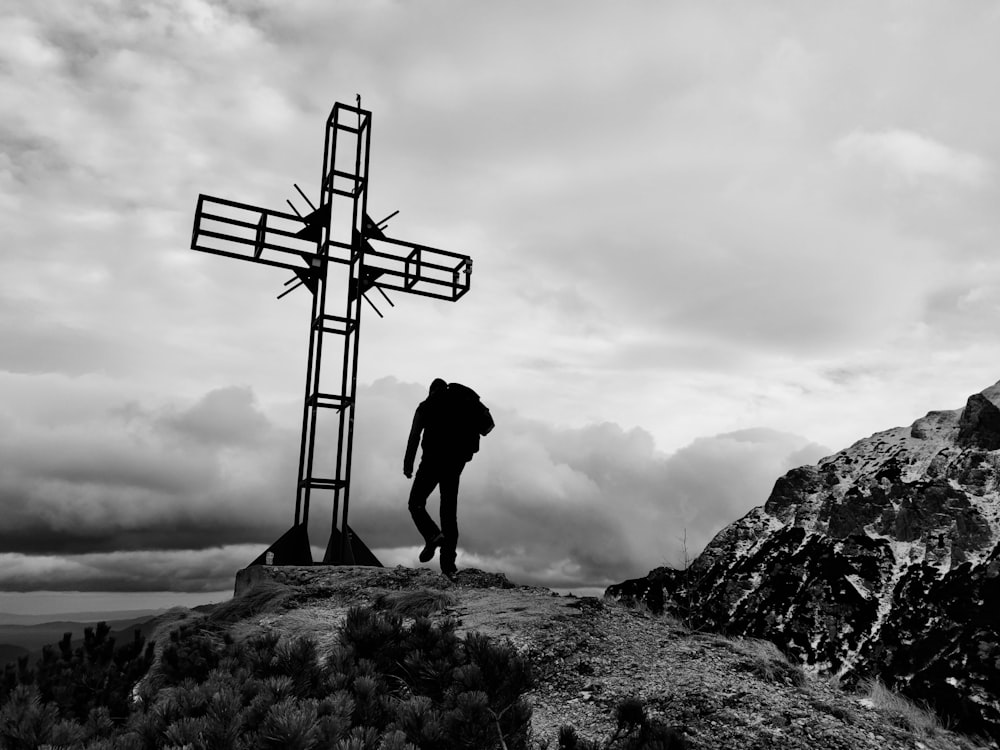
[589, 654]
[881, 560]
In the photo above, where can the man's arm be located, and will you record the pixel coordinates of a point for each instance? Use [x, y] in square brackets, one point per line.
[412, 443]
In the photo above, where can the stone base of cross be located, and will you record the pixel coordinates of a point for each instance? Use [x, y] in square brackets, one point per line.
[340, 255]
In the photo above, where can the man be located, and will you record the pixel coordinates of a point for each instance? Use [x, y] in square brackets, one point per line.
[451, 419]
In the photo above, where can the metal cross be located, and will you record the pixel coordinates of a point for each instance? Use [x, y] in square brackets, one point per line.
[338, 234]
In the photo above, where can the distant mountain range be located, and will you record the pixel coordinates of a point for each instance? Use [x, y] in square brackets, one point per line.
[6, 618]
[28, 637]
[33, 637]
[882, 560]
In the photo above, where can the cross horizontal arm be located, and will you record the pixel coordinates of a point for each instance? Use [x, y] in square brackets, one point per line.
[417, 269]
[239, 230]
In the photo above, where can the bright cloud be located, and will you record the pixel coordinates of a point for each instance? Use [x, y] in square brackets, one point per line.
[914, 157]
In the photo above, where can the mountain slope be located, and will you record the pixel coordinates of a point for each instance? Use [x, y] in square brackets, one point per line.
[588, 655]
[883, 559]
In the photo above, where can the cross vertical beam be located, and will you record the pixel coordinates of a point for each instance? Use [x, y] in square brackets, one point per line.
[343, 193]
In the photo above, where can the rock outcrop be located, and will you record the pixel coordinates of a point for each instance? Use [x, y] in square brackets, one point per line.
[881, 560]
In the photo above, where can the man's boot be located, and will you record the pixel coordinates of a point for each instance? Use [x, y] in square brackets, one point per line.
[427, 553]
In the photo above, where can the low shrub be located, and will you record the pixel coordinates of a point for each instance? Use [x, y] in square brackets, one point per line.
[98, 674]
[385, 685]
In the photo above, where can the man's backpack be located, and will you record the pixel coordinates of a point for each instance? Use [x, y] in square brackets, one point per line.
[473, 411]
[460, 419]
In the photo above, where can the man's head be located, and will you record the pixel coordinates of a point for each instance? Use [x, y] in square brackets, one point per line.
[437, 385]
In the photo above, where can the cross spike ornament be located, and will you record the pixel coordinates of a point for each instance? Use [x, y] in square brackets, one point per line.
[336, 235]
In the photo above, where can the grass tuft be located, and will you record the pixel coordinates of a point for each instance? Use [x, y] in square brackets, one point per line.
[903, 712]
[765, 660]
[419, 603]
[264, 596]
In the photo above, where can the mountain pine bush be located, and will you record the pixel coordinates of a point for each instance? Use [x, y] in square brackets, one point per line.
[90, 684]
[26, 722]
[384, 685]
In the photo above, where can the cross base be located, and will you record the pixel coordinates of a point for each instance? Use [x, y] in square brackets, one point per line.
[292, 548]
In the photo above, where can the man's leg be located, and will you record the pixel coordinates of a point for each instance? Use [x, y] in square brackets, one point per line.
[423, 485]
[450, 475]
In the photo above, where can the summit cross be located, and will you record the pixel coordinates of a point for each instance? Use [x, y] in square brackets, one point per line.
[337, 235]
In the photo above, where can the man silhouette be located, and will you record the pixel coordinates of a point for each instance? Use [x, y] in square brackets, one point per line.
[451, 419]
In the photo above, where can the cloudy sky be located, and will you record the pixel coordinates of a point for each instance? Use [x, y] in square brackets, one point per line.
[711, 242]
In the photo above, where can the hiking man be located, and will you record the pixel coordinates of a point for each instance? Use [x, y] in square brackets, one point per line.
[451, 418]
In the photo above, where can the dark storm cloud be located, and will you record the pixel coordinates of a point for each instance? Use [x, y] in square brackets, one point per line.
[223, 417]
[210, 569]
[548, 505]
[752, 459]
[109, 535]
[592, 504]
[131, 479]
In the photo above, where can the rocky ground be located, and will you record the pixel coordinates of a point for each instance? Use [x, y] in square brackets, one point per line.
[589, 654]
